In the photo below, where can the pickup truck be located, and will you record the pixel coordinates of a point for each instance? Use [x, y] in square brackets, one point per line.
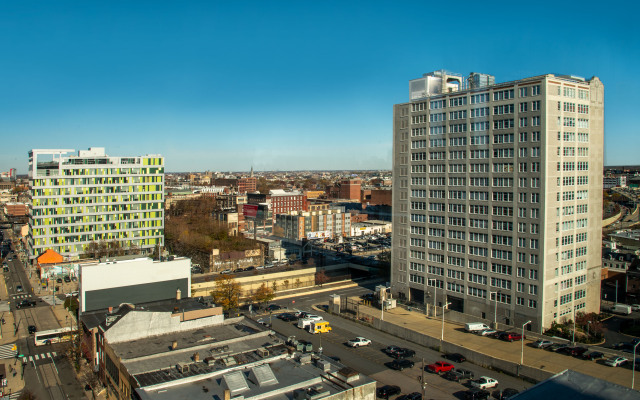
[439, 367]
[484, 382]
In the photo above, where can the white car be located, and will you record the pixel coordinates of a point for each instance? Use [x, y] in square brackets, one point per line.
[487, 332]
[359, 342]
[314, 317]
[635, 307]
[484, 382]
[615, 361]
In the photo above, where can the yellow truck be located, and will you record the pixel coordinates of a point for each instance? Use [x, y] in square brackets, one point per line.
[319, 327]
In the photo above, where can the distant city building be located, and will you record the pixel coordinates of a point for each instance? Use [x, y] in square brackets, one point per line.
[609, 182]
[247, 185]
[284, 201]
[370, 227]
[298, 225]
[92, 197]
[350, 189]
[497, 196]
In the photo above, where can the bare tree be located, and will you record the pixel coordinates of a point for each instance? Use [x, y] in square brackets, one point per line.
[321, 278]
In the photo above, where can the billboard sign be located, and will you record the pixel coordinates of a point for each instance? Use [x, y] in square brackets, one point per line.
[318, 235]
[250, 210]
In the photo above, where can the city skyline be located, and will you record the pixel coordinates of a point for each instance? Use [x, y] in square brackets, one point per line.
[224, 87]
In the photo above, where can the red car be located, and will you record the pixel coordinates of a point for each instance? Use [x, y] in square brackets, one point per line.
[511, 336]
[439, 367]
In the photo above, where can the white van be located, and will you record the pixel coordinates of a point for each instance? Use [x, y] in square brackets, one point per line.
[475, 326]
[304, 323]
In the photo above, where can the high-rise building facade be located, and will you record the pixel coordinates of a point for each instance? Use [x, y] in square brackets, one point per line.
[497, 196]
[92, 197]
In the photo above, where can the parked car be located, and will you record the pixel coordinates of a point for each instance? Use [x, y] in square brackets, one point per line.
[273, 307]
[287, 317]
[359, 342]
[635, 307]
[410, 396]
[387, 391]
[615, 361]
[32, 329]
[59, 280]
[507, 394]
[439, 367]
[510, 336]
[484, 382]
[455, 357]
[578, 351]
[390, 350]
[67, 279]
[487, 332]
[401, 364]
[458, 374]
[403, 352]
[477, 394]
[542, 343]
[594, 355]
[19, 288]
[557, 346]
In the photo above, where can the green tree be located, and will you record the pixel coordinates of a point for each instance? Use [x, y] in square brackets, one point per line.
[226, 292]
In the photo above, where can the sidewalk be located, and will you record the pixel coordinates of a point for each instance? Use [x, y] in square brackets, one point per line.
[414, 323]
[12, 368]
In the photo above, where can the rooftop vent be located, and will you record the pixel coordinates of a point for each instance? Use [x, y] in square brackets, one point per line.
[348, 374]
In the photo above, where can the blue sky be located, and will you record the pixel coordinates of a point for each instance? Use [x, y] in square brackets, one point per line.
[282, 85]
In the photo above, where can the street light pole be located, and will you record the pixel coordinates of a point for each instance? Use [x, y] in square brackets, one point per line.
[435, 294]
[495, 312]
[573, 334]
[442, 333]
[633, 369]
[522, 342]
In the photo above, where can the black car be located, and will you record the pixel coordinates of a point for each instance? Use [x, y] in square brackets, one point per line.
[477, 394]
[402, 352]
[557, 346]
[273, 307]
[508, 393]
[594, 355]
[287, 317]
[26, 303]
[579, 351]
[458, 374]
[399, 365]
[391, 350]
[455, 357]
[59, 280]
[410, 396]
[67, 279]
[31, 329]
[388, 390]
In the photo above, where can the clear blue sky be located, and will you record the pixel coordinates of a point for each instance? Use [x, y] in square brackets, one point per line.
[216, 85]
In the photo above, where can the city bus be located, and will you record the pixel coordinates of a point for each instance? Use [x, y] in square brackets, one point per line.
[53, 336]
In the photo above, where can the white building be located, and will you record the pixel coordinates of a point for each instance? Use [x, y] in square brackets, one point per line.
[497, 196]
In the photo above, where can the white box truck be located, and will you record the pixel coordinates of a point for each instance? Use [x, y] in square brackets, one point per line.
[623, 309]
[475, 326]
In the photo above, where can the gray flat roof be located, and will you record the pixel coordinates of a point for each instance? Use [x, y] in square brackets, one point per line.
[205, 336]
[570, 384]
[290, 375]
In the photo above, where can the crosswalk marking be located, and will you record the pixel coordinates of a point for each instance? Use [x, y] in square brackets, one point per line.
[8, 351]
[12, 396]
[40, 356]
[21, 296]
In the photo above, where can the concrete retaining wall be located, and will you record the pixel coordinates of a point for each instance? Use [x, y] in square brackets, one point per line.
[611, 220]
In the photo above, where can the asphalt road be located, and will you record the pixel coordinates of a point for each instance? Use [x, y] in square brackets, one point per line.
[371, 360]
